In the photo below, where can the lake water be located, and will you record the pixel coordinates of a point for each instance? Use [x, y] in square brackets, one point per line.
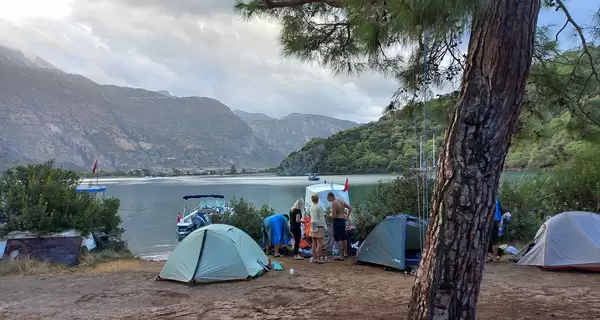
[149, 206]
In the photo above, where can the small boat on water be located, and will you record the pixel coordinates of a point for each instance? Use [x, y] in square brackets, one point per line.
[199, 216]
[313, 177]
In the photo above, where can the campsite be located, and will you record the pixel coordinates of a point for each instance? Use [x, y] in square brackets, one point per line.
[220, 272]
[127, 289]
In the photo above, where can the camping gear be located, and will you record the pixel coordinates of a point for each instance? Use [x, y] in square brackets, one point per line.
[276, 266]
[217, 252]
[395, 242]
[569, 240]
[335, 251]
[506, 249]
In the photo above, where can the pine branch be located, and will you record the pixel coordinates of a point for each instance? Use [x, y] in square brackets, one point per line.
[579, 31]
[272, 4]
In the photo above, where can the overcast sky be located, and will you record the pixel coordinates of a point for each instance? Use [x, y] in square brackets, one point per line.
[197, 47]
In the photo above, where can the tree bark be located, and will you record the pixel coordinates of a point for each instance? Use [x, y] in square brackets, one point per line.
[475, 145]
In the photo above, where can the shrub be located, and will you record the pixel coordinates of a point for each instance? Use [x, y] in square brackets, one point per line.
[42, 199]
[401, 195]
[577, 186]
[245, 216]
[525, 200]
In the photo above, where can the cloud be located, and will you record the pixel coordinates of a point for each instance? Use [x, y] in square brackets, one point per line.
[190, 47]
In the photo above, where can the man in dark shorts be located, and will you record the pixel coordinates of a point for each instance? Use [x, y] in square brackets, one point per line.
[494, 232]
[339, 223]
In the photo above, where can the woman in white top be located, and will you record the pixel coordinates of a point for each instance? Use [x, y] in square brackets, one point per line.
[317, 229]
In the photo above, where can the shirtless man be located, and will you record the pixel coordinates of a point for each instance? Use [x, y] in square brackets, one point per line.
[339, 223]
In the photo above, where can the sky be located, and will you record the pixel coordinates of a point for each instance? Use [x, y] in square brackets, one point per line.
[198, 48]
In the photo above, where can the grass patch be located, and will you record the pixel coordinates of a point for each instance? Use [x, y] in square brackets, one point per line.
[92, 259]
[26, 266]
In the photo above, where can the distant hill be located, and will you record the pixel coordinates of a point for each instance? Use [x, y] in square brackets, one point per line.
[391, 144]
[293, 131]
[46, 113]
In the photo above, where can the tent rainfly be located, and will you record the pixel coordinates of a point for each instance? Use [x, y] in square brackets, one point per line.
[395, 242]
[569, 240]
[217, 252]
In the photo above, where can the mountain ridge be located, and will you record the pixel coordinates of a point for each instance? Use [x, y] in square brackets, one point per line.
[47, 113]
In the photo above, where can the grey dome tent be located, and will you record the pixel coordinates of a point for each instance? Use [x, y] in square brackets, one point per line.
[569, 240]
[395, 242]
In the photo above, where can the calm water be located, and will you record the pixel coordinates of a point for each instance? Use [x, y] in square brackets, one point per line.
[149, 206]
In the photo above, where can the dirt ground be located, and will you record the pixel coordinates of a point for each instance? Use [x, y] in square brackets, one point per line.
[126, 289]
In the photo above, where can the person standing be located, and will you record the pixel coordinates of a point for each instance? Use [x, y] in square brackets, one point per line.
[296, 215]
[339, 223]
[495, 232]
[317, 229]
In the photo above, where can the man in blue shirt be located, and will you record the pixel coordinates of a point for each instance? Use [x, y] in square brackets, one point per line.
[494, 232]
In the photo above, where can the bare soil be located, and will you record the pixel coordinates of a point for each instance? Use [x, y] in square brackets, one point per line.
[127, 289]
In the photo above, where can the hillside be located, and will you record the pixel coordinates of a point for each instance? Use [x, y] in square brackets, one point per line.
[391, 145]
[293, 131]
[46, 113]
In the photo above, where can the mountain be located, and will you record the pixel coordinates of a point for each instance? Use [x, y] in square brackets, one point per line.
[249, 116]
[293, 131]
[46, 113]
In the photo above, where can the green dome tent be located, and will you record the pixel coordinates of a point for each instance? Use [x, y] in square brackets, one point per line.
[217, 252]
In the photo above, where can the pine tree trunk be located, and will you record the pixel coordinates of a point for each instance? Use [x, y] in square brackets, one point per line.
[472, 158]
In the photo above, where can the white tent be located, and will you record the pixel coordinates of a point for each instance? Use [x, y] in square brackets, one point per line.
[217, 252]
[322, 189]
[569, 240]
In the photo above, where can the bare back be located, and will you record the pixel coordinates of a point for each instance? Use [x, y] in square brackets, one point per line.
[337, 209]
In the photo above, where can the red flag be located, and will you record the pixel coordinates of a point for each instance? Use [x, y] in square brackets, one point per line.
[178, 217]
[95, 166]
[346, 186]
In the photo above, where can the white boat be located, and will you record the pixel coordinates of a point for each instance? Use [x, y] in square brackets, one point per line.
[199, 216]
[322, 189]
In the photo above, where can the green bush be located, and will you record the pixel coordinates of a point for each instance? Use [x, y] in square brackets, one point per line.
[577, 186]
[525, 199]
[245, 216]
[401, 195]
[572, 187]
[42, 199]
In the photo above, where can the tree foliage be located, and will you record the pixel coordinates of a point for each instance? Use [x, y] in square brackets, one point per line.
[353, 36]
[401, 195]
[41, 198]
[547, 137]
[244, 216]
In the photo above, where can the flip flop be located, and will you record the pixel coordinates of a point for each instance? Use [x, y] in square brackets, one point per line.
[298, 258]
[338, 259]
